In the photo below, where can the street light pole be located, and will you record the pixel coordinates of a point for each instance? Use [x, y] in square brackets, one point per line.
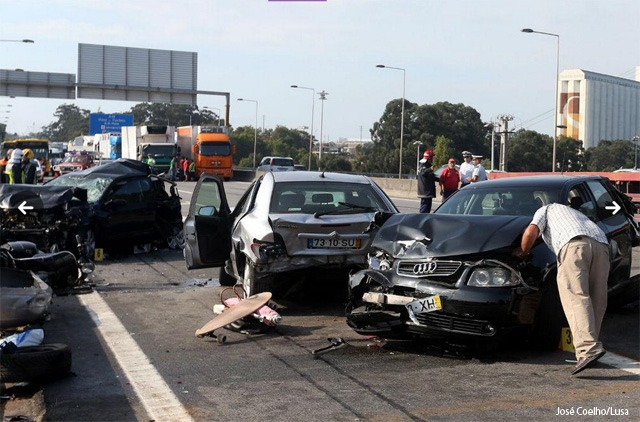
[323, 96]
[555, 117]
[401, 112]
[24, 41]
[255, 130]
[313, 104]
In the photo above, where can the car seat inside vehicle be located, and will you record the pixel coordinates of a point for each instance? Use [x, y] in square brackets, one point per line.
[289, 202]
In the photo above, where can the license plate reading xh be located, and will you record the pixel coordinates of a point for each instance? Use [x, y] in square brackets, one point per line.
[427, 304]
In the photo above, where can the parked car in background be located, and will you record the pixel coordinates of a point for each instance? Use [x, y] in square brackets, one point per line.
[451, 274]
[285, 224]
[276, 164]
[130, 206]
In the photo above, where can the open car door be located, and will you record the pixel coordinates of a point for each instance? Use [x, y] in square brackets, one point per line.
[207, 228]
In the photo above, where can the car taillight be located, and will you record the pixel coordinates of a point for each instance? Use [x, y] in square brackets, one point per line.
[265, 250]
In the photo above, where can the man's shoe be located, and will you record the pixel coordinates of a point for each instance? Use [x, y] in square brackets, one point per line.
[587, 362]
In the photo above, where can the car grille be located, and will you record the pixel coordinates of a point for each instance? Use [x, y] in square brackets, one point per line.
[439, 321]
[423, 269]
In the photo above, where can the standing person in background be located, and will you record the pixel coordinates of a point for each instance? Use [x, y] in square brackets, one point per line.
[192, 170]
[479, 173]
[426, 182]
[4, 178]
[449, 179]
[185, 168]
[30, 167]
[14, 167]
[466, 169]
[151, 162]
[173, 167]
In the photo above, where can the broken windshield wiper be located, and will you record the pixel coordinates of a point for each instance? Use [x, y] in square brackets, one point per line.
[350, 208]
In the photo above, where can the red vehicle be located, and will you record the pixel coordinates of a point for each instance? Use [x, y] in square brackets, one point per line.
[74, 162]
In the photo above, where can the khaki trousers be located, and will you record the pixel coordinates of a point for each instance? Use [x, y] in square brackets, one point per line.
[583, 270]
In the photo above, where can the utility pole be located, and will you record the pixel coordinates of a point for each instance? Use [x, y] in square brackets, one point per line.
[504, 140]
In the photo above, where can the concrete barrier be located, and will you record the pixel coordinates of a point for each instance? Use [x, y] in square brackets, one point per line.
[397, 188]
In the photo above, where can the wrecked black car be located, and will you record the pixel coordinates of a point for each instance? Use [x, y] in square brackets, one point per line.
[51, 217]
[452, 275]
[130, 205]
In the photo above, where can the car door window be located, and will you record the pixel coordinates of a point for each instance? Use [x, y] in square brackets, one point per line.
[134, 191]
[602, 197]
[580, 199]
[208, 196]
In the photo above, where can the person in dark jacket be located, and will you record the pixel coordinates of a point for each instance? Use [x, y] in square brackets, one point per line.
[426, 182]
[29, 167]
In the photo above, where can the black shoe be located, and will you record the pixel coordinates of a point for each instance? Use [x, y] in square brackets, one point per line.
[587, 362]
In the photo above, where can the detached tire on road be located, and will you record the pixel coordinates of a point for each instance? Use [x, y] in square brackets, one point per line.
[44, 362]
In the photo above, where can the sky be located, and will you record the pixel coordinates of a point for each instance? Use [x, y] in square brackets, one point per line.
[461, 51]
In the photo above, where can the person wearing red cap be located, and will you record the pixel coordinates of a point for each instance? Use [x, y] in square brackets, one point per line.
[426, 182]
[449, 178]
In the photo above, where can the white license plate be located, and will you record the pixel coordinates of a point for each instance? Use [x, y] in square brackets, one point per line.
[333, 243]
[427, 304]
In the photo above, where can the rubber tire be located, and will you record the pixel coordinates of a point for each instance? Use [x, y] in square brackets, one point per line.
[225, 279]
[252, 284]
[44, 362]
[550, 320]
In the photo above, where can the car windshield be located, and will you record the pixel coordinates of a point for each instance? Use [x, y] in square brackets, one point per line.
[498, 201]
[95, 186]
[322, 197]
[215, 148]
[77, 159]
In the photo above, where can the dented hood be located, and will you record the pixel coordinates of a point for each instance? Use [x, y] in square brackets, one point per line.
[38, 196]
[446, 234]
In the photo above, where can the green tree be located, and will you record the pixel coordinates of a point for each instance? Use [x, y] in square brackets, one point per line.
[443, 150]
[164, 114]
[529, 151]
[71, 122]
[610, 155]
[335, 162]
[457, 122]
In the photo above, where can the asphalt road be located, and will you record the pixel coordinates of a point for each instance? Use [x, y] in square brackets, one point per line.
[135, 357]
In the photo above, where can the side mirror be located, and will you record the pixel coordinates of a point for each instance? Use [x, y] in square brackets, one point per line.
[208, 211]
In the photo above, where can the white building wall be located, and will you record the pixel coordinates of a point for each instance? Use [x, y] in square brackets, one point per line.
[608, 107]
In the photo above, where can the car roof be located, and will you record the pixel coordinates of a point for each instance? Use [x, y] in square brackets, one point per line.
[548, 181]
[309, 176]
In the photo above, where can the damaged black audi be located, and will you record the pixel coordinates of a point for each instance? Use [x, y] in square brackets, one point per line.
[452, 275]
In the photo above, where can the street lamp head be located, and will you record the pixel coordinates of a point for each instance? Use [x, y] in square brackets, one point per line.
[527, 30]
[294, 86]
[28, 41]
[380, 65]
[240, 99]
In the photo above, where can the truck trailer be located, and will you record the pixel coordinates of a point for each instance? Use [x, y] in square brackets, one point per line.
[209, 147]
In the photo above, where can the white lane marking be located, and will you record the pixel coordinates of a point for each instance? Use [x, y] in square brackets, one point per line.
[154, 393]
[621, 362]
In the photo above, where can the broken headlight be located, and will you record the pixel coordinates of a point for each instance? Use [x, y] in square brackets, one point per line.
[493, 277]
[380, 261]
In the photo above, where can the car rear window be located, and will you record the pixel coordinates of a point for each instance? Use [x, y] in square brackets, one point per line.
[309, 198]
[282, 162]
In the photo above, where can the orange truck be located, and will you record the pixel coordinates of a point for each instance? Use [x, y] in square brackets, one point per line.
[209, 147]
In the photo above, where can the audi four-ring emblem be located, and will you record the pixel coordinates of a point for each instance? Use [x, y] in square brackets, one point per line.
[425, 268]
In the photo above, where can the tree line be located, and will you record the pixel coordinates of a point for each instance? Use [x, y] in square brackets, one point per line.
[446, 128]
